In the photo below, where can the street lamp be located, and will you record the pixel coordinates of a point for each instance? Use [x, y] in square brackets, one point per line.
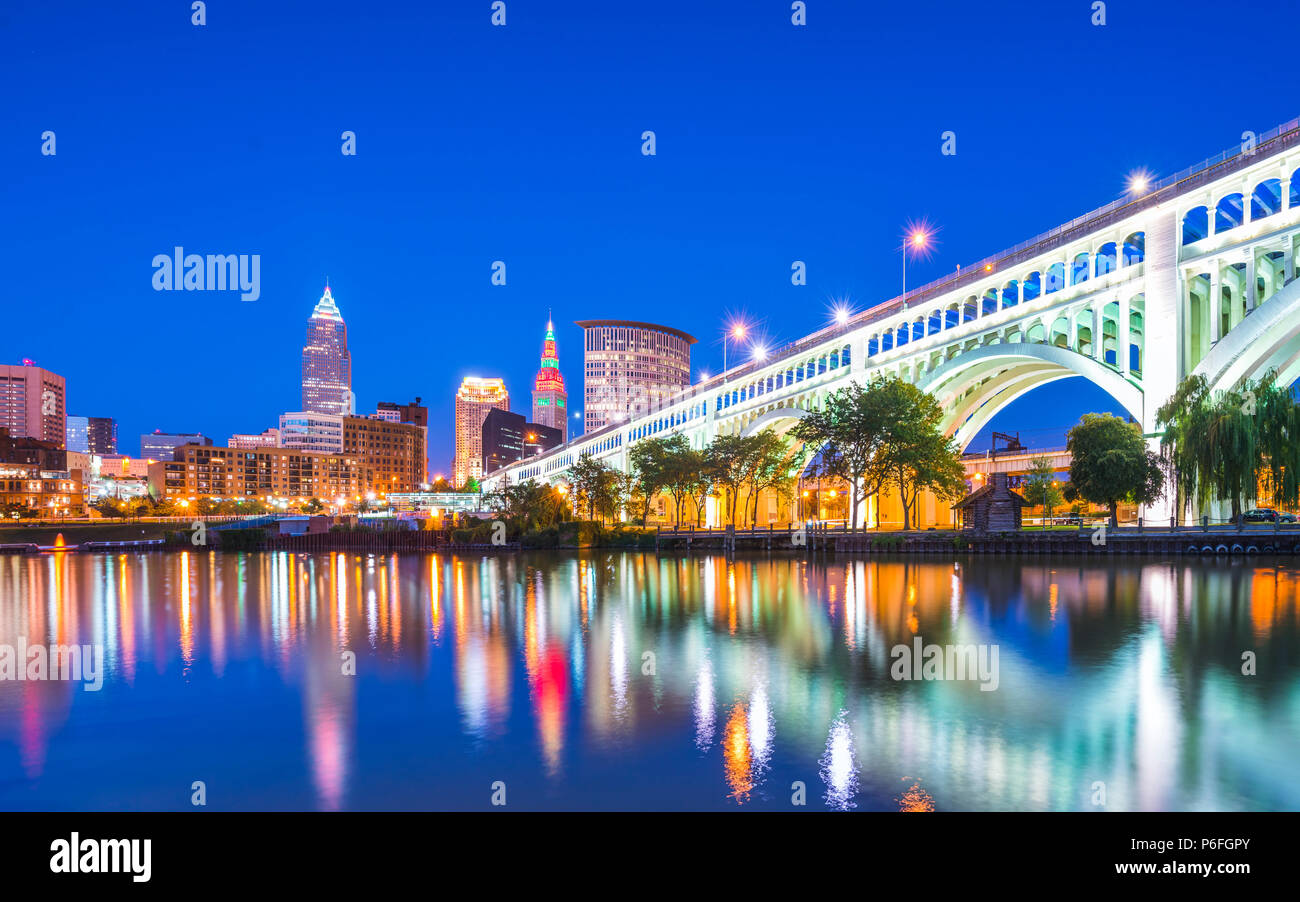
[737, 331]
[1138, 182]
[916, 242]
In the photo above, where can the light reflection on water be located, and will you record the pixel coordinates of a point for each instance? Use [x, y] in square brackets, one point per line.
[633, 681]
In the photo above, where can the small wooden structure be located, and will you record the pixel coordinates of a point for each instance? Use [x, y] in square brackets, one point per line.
[991, 508]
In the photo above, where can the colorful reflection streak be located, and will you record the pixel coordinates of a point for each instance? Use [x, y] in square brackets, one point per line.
[630, 681]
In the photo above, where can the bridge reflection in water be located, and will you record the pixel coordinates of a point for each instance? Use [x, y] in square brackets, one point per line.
[635, 681]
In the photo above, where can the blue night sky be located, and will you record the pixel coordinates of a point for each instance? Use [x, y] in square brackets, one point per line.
[477, 143]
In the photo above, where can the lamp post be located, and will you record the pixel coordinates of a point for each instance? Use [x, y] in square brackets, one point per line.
[915, 242]
[737, 332]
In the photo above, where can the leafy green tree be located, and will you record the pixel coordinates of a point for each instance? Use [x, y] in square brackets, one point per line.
[1110, 463]
[731, 463]
[109, 507]
[596, 486]
[441, 485]
[528, 505]
[1041, 488]
[858, 434]
[773, 467]
[651, 461]
[313, 506]
[1226, 445]
[922, 457]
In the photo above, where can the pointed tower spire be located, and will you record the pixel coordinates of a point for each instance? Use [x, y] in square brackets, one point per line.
[550, 406]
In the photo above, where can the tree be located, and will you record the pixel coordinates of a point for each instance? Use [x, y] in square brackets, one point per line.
[772, 467]
[922, 457]
[1109, 463]
[109, 508]
[1041, 488]
[313, 506]
[441, 485]
[731, 459]
[857, 434]
[528, 505]
[596, 486]
[650, 460]
[683, 475]
[1227, 444]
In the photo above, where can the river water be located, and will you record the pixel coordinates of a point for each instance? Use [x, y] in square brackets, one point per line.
[272, 681]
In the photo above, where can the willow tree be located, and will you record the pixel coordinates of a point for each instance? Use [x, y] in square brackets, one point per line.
[1226, 445]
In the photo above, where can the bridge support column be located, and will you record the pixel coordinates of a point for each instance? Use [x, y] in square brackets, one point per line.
[1284, 189]
[1162, 367]
[1122, 351]
[1252, 288]
[1098, 333]
[1216, 301]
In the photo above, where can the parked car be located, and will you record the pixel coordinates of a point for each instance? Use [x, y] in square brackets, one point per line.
[1260, 515]
[1286, 518]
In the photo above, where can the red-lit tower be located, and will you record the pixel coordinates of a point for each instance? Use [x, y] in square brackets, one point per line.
[550, 400]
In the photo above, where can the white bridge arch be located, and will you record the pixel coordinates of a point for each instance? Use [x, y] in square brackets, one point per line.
[1203, 264]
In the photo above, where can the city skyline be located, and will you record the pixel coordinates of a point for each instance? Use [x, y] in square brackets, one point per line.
[706, 229]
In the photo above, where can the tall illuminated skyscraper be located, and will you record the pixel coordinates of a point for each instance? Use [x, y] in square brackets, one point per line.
[629, 368]
[326, 363]
[32, 403]
[473, 401]
[550, 400]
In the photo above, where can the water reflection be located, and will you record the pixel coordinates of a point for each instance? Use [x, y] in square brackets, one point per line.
[627, 680]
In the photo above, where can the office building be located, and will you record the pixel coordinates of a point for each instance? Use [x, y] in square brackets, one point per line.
[200, 471]
[629, 368]
[92, 435]
[414, 413]
[391, 455]
[326, 362]
[305, 430]
[32, 452]
[474, 400]
[158, 445]
[33, 403]
[509, 438]
[39, 492]
[393, 412]
[550, 400]
[269, 438]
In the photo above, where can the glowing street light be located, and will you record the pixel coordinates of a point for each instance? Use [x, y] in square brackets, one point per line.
[1138, 182]
[917, 242]
[760, 353]
[737, 333]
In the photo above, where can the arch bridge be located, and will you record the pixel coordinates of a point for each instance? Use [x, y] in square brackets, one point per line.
[1195, 275]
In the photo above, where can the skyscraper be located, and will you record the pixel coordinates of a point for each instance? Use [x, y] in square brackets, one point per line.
[32, 403]
[473, 401]
[629, 368]
[326, 363]
[550, 400]
[92, 435]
